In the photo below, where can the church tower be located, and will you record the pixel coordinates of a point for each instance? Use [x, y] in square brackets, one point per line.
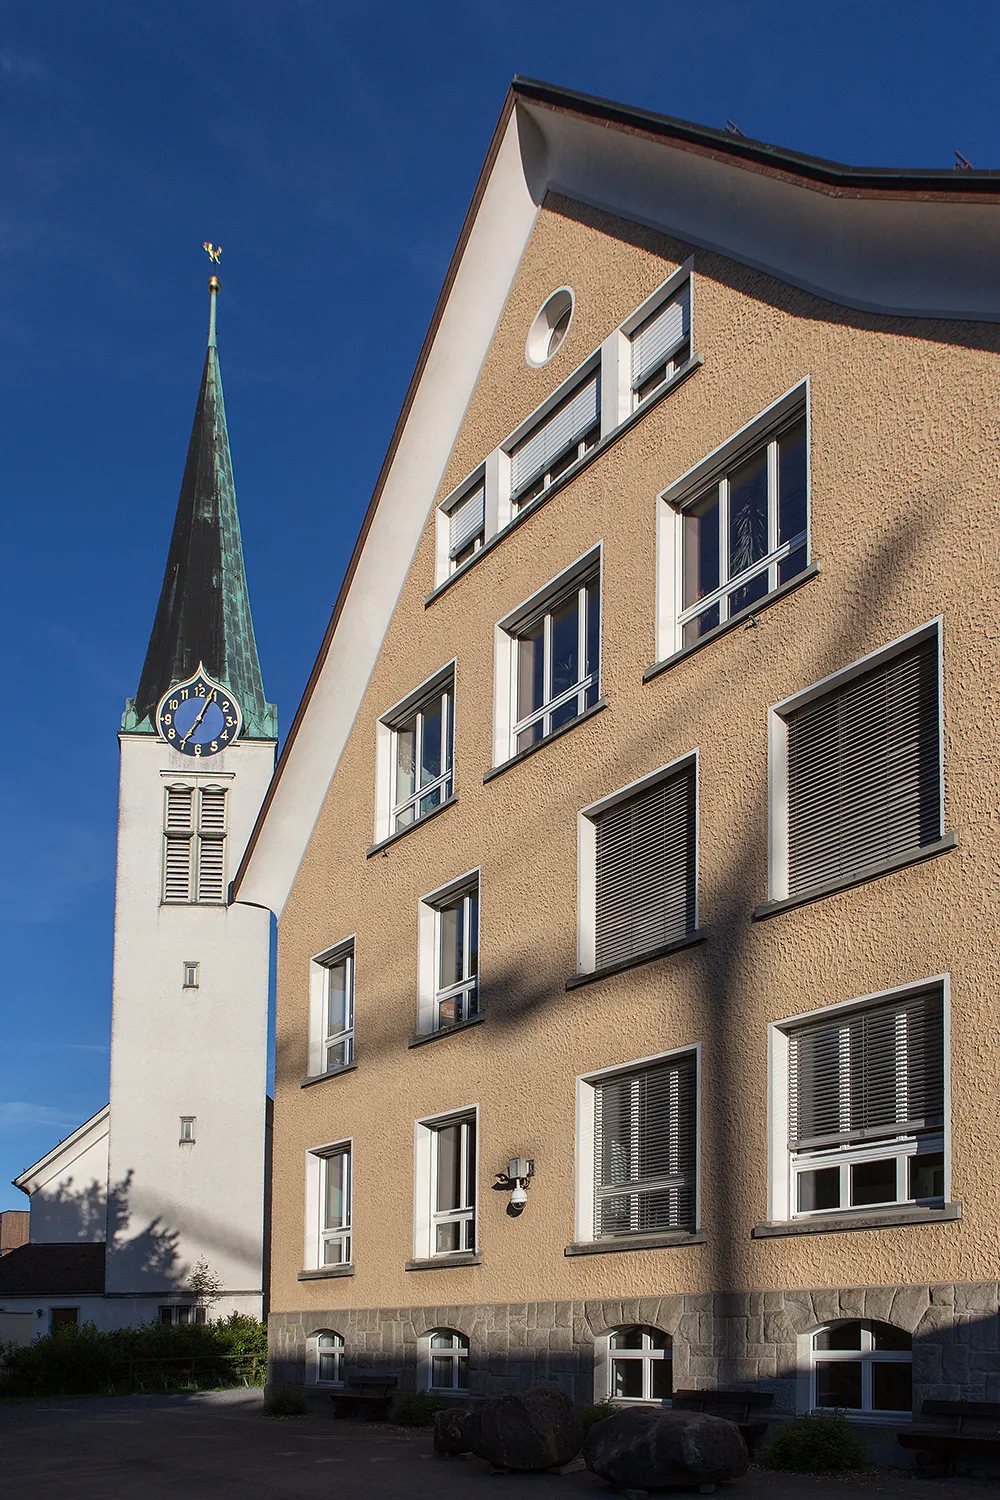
[188, 1127]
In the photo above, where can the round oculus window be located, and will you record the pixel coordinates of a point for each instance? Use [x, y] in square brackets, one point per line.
[550, 327]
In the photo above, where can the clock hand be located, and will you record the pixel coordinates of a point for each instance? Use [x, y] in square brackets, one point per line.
[197, 721]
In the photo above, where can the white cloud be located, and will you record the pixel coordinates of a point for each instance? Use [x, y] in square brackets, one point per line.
[16, 1112]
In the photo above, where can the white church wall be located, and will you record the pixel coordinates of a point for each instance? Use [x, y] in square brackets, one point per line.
[68, 1187]
[179, 1052]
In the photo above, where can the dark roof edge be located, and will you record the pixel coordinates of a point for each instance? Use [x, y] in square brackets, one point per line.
[397, 433]
[814, 169]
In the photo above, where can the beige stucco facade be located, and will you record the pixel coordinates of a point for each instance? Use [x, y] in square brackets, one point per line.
[903, 438]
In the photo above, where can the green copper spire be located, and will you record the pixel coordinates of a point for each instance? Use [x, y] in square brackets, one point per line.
[204, 611]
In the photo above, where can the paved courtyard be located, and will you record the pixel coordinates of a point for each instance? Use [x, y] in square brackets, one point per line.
[217, 1446]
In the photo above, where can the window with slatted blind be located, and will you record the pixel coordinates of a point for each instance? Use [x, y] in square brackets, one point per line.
[645, 1149]
[661, 344]
[865, 1104]
[645, 868]
[466, 525]
[556, 441]
[194, 855]
[860, 764]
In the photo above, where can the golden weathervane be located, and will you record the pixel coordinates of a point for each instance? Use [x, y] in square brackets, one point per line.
[214, 252]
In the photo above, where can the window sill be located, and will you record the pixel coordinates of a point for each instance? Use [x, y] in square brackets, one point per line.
[434, 1036]
[741, 618]
[857, 877]
[667, 1241]
[326, 1273]
[383, 844]
[307, 1083]
[444, 1262]
[529, 509]
[516, 760]
[690, 941]
[859, 1218]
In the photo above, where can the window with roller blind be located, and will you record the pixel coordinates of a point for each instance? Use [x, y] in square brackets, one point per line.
[856, 770]
[556, 441]
[466, 522]
[865, 1103]
[194, 854]
[638, 893]
[639, 1149]
[661, 344]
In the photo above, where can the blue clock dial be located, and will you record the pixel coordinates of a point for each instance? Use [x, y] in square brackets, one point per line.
[199, 717]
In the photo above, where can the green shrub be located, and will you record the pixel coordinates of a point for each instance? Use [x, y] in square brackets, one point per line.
[416, 1409]
[81, 1360]
[815, 1444]
[286, 1401]
[595, 1412]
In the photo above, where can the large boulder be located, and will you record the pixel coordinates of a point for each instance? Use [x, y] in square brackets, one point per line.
[535, 1429]
[450, 1430]
[644, 1449]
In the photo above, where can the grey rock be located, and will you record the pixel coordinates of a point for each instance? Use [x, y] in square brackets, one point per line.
[450, 1427]
[645, 1449]
[534, 1429]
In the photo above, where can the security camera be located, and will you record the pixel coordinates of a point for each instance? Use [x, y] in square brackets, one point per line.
[518, 1196]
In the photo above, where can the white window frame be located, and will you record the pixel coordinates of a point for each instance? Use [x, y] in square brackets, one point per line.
[187, 1133]
[777, 742]
[315, 1351]
[586, 1101]
[506, 724]
[320, 1040]
[782, 1172]
[197, 1310]
[386, 808]
[586, 887]
[429, 996]
[316, 1234]
[673, 501]
[192, 970]
[425, 1218]
[604, 1355]
[457, 1354]
[866, 1356]
[613, 359]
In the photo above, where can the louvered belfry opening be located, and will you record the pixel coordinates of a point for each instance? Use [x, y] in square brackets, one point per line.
[646, 870]
[645, 1150]
[864, 773]
[194, 859]
[869, 1074]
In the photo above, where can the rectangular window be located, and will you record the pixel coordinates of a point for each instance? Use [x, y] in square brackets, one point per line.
[735, 528]
[182, 1313]
[645, 1149]
[191, 968]
[661, 344]
[556, 441]
[448, 955]
[335, 1208]
[466, 525]
[194, 863]
[549, 666]
[860, 767]
[187, 1129]
[453, 1186]
[638, 875]
[416, 752]
[337, 984]
[866, 1105]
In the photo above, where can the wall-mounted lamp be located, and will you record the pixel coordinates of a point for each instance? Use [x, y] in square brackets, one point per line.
[520, 1171]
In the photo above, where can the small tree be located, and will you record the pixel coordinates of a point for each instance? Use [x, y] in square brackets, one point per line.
[206, 1286]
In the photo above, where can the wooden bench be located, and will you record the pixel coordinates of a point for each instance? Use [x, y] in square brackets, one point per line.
[365, 1397]
[938, 1447]
[735, 1406]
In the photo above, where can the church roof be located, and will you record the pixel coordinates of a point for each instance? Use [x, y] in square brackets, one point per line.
[203, 616]
[52, 1270]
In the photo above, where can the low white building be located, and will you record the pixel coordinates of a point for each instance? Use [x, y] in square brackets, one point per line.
[171, 1175]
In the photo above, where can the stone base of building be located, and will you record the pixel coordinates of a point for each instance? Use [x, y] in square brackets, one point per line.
[751, 1339]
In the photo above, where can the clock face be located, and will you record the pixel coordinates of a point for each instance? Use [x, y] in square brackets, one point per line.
[198, 717]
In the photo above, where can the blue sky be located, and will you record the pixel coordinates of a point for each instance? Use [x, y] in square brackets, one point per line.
[331, 147]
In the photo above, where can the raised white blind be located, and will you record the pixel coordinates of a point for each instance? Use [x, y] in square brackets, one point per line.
[555, 433]
[873, 1073]
[656, 340]
[646, 874]
[645, 1148]
[864, 774]
[466, 520]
